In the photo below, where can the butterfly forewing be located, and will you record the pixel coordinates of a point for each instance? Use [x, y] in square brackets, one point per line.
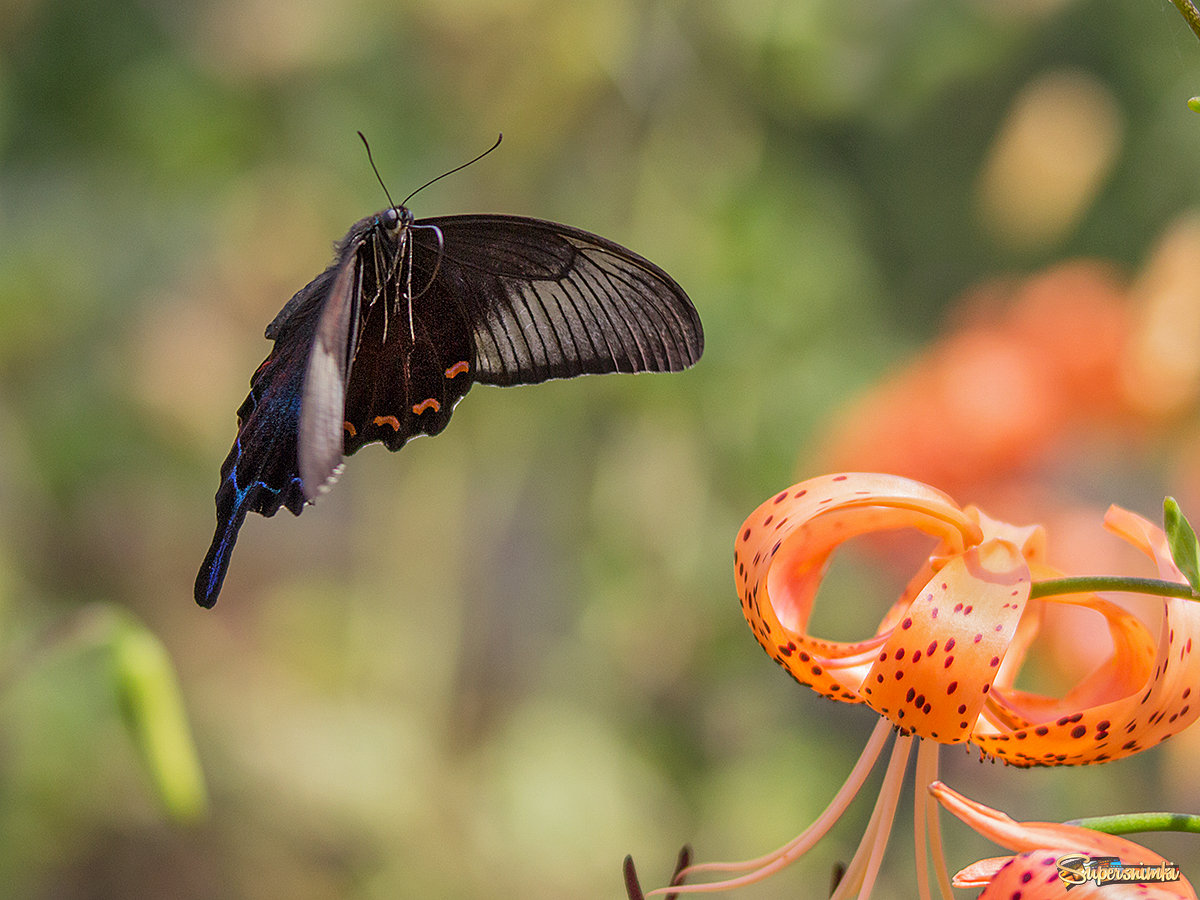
[549, 301]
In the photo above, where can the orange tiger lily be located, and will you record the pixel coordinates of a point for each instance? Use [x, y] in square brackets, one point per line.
[1044, 849]
[944, 660]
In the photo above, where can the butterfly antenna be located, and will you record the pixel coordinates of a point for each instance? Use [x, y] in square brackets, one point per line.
[452, 171]
[378, 177]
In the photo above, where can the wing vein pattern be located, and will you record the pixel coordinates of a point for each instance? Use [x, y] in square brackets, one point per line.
[549, 301]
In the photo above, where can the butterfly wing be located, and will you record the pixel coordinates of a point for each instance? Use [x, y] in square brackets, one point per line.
[376, 349]
[413, 352]
[262, 471]
[545, 300]
[504, 300]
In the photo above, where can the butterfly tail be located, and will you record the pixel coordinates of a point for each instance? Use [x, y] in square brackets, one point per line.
[232, 506]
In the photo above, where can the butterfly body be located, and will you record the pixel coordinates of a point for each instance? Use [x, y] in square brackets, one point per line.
[410, 314]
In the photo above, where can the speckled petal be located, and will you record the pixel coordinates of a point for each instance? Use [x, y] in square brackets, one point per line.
[1033, 875]
[1165, 706]
[933, 675]
[1138, 697]
[783, 550]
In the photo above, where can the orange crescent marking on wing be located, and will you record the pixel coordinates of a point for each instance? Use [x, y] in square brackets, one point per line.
[458, 368]
[388, 420]
[349, 426]
[427, 404]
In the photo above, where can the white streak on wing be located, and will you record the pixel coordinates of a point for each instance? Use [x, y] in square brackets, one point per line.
[321, 413]
[323, 399]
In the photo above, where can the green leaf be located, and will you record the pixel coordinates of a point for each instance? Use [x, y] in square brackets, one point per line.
[153, 708]
[1182, 541]
[1134, 823]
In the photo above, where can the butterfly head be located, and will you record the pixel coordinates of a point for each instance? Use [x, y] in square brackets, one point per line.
[395, 219]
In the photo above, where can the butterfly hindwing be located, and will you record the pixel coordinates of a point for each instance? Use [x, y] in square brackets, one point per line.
[260, 474]
[407, 372]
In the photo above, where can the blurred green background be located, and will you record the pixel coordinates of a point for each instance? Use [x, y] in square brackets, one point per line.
[492, 665]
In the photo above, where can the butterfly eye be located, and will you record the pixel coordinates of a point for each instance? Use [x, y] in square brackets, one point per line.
[395, 218]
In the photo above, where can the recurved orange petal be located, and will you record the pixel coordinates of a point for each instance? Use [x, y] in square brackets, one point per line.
[1141, 695]
[1164, 705]
[783, 551]
[934, 673]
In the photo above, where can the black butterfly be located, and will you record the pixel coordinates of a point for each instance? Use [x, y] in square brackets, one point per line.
[410, 314]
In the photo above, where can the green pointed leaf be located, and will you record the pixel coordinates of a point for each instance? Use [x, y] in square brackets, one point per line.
[153, 708]
[1134, 823]
[1182, 541]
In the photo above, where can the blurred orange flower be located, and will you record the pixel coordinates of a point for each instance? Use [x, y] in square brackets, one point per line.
[1074, 368]
[1028, 364]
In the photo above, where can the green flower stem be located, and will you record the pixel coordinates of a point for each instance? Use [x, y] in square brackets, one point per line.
[1088, 584]
[1128, 823]
[1190, 13]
